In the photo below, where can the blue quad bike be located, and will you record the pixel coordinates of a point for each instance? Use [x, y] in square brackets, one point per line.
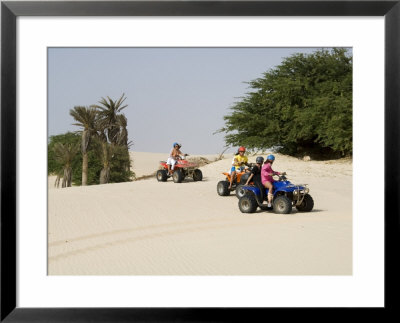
[286, 196]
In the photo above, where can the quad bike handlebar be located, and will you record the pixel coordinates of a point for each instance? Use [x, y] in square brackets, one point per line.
[182, 157]
[281, 177]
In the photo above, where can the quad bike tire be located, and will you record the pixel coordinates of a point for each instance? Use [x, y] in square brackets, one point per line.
[240, 191]
[248, 203]
[178, 176]
[162, 175]
[307, 204]
[223, 188]
[197, 175]
[282, 204]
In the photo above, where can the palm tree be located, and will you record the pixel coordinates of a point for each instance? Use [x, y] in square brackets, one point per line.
[109, 123]
[108, 114]
[85, 117]
[64, 154]
[107, 154]
[122, 138]
[104, 149]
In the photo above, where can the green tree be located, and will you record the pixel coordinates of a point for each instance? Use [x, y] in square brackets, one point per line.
[85, 118]
[304, 105]
[120, 165]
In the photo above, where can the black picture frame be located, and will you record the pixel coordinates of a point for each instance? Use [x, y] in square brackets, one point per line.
[10, 10]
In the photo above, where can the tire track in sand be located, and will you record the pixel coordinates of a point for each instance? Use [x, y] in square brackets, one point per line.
[154, 235]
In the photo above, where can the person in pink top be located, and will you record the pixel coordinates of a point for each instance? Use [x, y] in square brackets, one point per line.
[266, 177]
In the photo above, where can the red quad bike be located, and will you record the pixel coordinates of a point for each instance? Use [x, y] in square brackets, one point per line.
[183, 168]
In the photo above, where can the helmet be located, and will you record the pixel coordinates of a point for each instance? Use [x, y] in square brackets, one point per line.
[259, 160]
[270, 157]
[241, 148]
[174, 144]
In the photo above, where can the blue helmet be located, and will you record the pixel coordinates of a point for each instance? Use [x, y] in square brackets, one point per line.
[271, 157]
[174, 144]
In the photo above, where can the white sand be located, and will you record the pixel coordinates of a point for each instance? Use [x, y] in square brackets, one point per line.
[153, 228]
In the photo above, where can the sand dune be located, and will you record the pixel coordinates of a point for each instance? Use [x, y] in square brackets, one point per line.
[147, 227]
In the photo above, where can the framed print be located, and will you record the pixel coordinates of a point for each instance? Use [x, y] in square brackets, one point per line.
[65, 262]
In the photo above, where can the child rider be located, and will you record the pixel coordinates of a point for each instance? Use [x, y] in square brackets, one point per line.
[255, 173]
[266, 177]
[238, 164]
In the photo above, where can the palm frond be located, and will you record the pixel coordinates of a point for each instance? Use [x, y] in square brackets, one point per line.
[85, 116]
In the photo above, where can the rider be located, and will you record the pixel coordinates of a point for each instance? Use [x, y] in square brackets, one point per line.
[255, 172]
[266, 177]
[174, 155]
[255, 175]
[238, 162]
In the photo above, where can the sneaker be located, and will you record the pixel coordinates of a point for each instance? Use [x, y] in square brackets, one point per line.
[269, 205]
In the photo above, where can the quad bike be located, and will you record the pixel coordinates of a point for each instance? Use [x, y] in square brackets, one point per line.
[237, 184]
[182, 169]
[286, 196]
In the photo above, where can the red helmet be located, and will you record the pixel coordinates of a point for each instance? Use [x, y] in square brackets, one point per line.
[241, 148]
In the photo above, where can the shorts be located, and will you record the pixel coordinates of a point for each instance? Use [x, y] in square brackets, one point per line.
[171, 161]
[239, 169]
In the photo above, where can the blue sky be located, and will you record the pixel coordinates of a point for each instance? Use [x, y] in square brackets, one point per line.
[173, 94]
